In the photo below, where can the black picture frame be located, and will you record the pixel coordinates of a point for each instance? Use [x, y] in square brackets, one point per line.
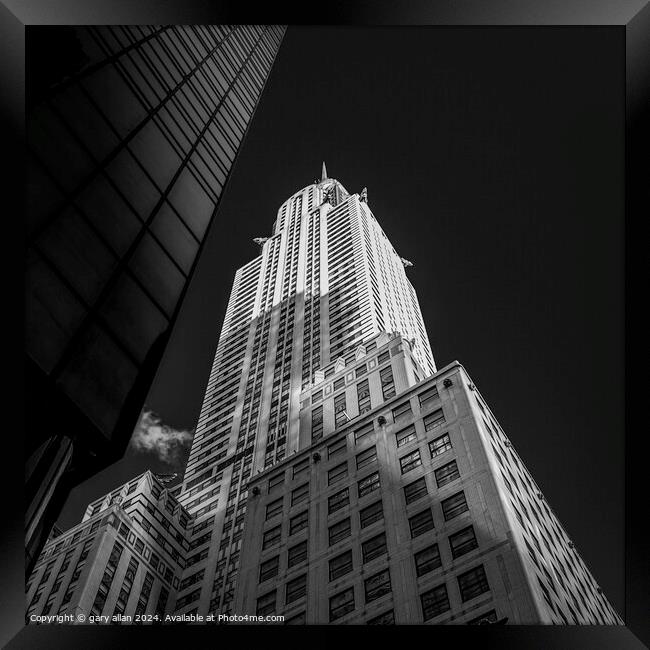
[632, 17]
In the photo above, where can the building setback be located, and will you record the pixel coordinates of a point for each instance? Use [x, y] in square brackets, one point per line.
[124, 559]
[417, 511]
[335, 475]
[326, 279]
[132, 133]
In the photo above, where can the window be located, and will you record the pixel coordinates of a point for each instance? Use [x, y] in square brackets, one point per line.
[363, 431]
[275, 481]
[402, 412]
[335, 448]
[368, 484]
[384, 356]
[371, 514]
[298, 619]
[483, 619]
[271, 537]
[297, 554]
[48, 605]
[361, 370]
[377, 586]
[440, 445]
[434, 420]
[266, 604]
[373, 548]
[387, 618]
[447, 473]
[410, 461]
[427, 560]
[187, 582]
[341, 604]
[339, 531]
[473, 583]
[99, 600]
[363, 396]
[300, 494]
[340, 416]
[387, 383]
[428, 396]
[273, 509]
[85, 550]
[338, 501]
[434, 602]
[338, 473]
[340, 565]
[454, 505]
[339, 383]
[301, 467]
[317, 423]
[299, 522]
[295, 589]
[463, 541]
[405, 436]
[269, 569]
[421, 523]
[414, 491]
[366, 457]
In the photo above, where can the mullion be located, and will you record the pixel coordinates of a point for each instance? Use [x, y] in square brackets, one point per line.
[200, 36]
[208, 70]
[164, 44]
[230, 54]
[172, 41]
[195, 128]
[220, 93]
[146, 57]
[101, 237]
[83, 145]
[110, 58]
[98, 317]
[216, 162]
[123, 262]
[250, 86]
[210, 84]
[102, 43]
[239, 93]
[193, 49]
[73, 202]
[167, 63]
[196, 134]
[137, 59]
[123, 141]
[144, 170]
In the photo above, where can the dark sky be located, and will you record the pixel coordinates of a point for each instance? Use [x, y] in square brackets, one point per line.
[494, 162]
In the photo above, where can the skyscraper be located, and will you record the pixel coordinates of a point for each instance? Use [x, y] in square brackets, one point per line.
[132, 134]
[326, 280]
[336, 476]
[340, 476]
[119, 564]
[416, 511]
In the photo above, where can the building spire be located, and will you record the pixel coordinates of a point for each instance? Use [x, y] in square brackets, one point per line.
[323, 174]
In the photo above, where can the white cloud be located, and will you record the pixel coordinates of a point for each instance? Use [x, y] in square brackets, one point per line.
[152, 435]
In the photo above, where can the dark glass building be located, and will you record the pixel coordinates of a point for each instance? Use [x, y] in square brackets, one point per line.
[132, 134]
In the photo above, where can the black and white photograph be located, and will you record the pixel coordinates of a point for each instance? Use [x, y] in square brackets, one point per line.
[325, 325]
